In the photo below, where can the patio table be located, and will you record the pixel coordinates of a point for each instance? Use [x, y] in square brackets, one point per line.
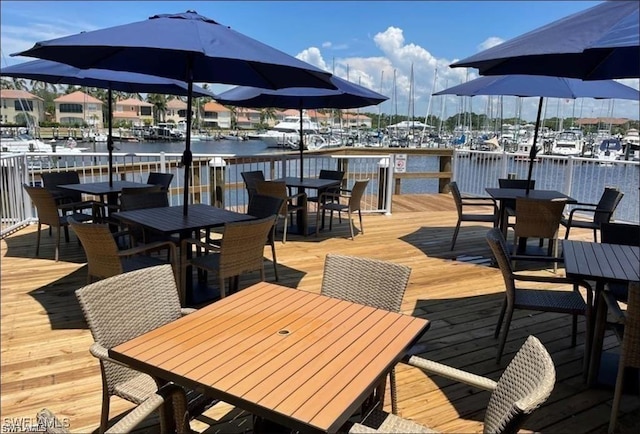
[103, 189]
[171, 220]
[302, 221]
[297, 358]
[603, 263]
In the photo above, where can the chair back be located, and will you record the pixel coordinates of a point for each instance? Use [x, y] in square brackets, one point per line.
[372, 282]
[523, 387]
[631, 339]
[141, 190]
[273, 189]
[161, 179]
[620, 233]
[336, 175]
[250, 178]
[517, 183]
[355, 201]
[607, 204]
[52, 180]
[99, 247]
[45, 205]
[457, 197]
[242, 248]
[125, 306]
[156, 199]
[498, 246]
[538, 218]
[261, 206]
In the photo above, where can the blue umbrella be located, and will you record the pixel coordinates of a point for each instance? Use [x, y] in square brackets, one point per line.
[542, 86]
[346, 95]
[130, 82]
[184, 46]
[599, 43]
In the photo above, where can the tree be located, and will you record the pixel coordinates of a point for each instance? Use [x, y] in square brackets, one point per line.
[159, 106]
[267, 114]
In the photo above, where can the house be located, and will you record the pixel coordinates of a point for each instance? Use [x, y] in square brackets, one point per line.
[247, 118]
[16, 104]
[216, 115]
[135, 111]
[176, 111]
[355, 120]
[79, 109]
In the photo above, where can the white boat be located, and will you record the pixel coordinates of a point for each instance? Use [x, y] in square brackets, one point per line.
[568, 143]
[631, 141]
[608, 150]
[287, 132]
[24, 143]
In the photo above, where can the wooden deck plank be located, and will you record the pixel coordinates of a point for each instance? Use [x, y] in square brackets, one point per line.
[45, 360]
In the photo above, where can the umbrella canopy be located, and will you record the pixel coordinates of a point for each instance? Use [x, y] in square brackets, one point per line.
[599, 43]
[130, 82]
[542, 86]
[184, 46]
[346, 95]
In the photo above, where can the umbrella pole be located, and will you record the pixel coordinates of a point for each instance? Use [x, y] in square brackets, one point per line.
[110, 135]
[301, 146]
[534, 149]
[187, 156]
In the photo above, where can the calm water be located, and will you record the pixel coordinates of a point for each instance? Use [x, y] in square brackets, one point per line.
[245, 147]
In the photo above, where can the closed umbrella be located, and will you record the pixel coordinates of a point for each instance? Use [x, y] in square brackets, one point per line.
[184, 46]
[346, 95]
[542, 86]
[599, 43]
[130, 82]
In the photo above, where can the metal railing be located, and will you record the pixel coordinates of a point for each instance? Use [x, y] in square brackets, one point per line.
[581, 178]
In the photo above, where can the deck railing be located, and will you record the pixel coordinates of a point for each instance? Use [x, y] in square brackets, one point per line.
[216, 179]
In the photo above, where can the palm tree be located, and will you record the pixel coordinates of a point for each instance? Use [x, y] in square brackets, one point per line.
[6, 84]
[234, 116]
[159, 106]
[18, 83]
[42, 86]
[267, 114]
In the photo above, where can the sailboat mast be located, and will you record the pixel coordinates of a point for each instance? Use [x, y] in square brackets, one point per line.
[426, 118]
[379, 105]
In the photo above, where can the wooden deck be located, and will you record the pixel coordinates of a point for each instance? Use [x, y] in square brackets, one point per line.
[45, 342]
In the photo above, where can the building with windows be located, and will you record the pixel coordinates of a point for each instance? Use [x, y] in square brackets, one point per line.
[215, 115]
[19, 107]
[133, 111]
[176, 111]
[79, 109]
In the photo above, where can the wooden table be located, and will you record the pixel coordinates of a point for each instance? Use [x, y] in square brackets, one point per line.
[171, 220]
[296, 358]
[603, 263]
[302, 222]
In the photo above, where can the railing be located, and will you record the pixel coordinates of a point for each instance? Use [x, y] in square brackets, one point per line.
[581, 178]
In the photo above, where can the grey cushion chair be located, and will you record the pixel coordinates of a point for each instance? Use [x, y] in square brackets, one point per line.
[570, 302]
[163, 180]
[345, 200]
[261, 206]
[119, 309]
[601, 212]
[367, 281]
[52, 214]
[524, 386]
[463, 202]
[176, 420]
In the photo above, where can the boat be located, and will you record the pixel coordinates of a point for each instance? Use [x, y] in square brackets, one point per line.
[631, 145]
[609, 149]
[287, 132]
[568, 143]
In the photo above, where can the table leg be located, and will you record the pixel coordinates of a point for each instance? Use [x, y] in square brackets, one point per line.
[599, 324]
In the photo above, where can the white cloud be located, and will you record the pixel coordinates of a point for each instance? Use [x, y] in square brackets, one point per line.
[490, 42]
[326, 44]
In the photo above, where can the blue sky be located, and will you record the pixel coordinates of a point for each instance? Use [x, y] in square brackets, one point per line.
[365, 40]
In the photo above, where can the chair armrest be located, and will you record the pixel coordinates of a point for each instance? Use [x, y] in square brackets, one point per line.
[455, 374]
[159, 245]
[294, 196]
[615, 311]
[201, 244]
[137, 415]
[549, 279]
[102, 354]
[187, 310]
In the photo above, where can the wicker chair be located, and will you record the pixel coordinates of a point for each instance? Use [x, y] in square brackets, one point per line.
[335, 202]
[570, 302]
[509, 205]
[602, 212]
[52, 214]
[144, 200]
[279, 190]
[335, 175]
[250, 178]
[524, 386]
[240, 251]
[538, 219]
[170, 393]
[462, 202]
[625, 234]
[264, 206]
[163, 180]
[630, 349]
[372, 282]
[104, 259]
[119, 309]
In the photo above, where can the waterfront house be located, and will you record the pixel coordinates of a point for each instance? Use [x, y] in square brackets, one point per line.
[135, 111]
[215, 115]
[79, 108]
[247, 118]
[176, 111]
[16, 104]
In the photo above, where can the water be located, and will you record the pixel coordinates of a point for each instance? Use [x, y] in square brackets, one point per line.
[245, 147]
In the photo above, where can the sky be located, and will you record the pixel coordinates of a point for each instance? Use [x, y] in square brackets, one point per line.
[366, 42]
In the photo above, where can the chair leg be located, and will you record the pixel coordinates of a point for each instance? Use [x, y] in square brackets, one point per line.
[505, 332]
[104, 415]
[38, 240]
[455, 235]
[350, 217]
[617, 395]
[500, 319]
[595, 235]
[318, 219]
[361, 227]
[392, 388]
[58, 242]
[222, 287]
[284, 230]
[275, 261]
[574, 330]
